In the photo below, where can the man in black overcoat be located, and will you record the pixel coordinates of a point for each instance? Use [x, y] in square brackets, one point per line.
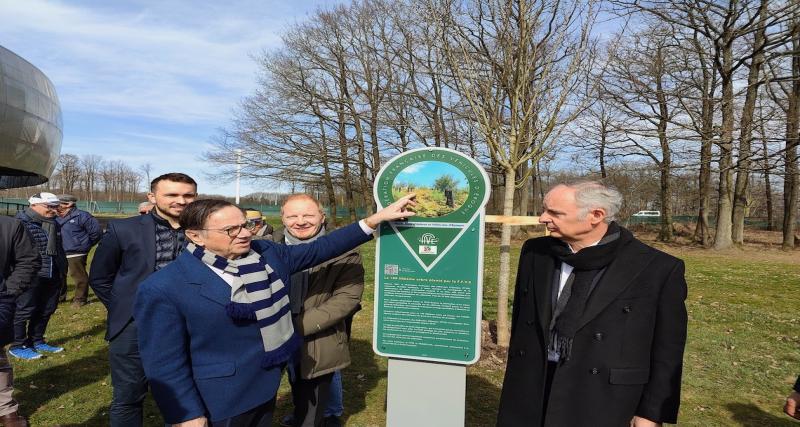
[599, 323]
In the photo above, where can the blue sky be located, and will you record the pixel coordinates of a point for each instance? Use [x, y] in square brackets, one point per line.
[423, 174]
[148, 81]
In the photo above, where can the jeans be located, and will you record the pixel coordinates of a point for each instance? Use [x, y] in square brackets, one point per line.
[127, 378]
[336, 399]
[34, 308]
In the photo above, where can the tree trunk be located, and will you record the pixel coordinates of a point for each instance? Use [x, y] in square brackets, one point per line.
[522, 194]
[746, 131]
[702, 233]
[767, 179]
[330, 191]
[343, 152]
[722, 238]
[790, 181]
[665, 166]
[503, 332]
[536, 185]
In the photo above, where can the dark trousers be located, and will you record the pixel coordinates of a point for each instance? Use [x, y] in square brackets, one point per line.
[127, 379]
[77, 271]
[310, 398]
[34, 308]
[260, 416]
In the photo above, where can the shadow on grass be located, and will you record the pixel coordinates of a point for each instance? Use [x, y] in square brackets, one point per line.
[750, 415]
[55, 381]
[360, 378]
[96, 330]
[482, 401]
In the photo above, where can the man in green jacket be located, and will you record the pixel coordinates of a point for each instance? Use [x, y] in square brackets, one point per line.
[321, 299]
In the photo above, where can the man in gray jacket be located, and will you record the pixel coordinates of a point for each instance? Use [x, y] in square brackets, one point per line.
[321, 299]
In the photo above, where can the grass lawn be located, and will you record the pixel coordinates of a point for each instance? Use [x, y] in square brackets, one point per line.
[741, 360]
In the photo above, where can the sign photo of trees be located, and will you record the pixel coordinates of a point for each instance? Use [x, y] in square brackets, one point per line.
[441, 188]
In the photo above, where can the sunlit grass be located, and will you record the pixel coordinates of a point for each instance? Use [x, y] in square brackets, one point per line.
[742, 357]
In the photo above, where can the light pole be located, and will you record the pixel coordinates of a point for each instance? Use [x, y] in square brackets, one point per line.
[238, 172]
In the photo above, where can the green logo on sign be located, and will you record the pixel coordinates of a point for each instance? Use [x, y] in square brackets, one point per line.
[450, 189]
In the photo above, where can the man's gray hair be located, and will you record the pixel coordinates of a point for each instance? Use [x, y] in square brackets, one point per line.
[593, 194]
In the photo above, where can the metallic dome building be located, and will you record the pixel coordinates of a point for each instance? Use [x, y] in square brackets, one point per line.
[30, 123]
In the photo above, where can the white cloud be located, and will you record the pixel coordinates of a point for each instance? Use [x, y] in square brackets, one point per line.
[137, 62]
[413, 168]
[148, 81]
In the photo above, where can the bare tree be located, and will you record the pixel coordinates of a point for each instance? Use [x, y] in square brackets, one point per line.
[638, 82]
[91, 164]
[146, 168]
[69, 169]
[518, 64]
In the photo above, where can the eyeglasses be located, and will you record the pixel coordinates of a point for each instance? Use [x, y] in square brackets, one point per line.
[233, 230]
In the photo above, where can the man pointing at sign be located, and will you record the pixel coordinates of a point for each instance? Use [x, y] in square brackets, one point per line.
[215, 327]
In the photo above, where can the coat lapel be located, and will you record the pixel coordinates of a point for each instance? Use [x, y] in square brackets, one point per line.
[149, 240]
[542, 283]
[620, 274]
[211, 285]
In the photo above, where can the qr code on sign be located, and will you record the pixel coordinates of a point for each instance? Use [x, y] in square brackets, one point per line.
[391, 269]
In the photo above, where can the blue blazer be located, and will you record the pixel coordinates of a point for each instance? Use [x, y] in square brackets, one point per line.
[125, 256]
[199, 361]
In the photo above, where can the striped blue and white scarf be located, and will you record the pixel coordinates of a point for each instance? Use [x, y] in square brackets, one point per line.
[258, 294]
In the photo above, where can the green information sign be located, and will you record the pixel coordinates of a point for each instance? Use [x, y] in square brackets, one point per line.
[429, 269]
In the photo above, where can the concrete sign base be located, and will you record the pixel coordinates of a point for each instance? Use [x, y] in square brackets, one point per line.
[425, 394]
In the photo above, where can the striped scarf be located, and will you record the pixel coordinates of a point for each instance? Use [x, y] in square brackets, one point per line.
[258, 293]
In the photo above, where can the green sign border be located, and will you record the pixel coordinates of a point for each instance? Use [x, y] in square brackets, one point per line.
[471, 214]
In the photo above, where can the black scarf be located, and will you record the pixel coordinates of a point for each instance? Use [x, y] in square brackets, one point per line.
[49, 227]
[587, 263]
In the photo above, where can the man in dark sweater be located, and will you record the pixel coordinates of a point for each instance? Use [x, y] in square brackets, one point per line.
[19, 263]
[38, 303]
[130, 250]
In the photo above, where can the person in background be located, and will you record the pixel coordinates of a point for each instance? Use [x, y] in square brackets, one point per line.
[39, 302]
[322, 299]
[19, 264]
[215, 329]
[145, 208]
[792, 406]
[262, 230]
[130, 250]
[79, 232]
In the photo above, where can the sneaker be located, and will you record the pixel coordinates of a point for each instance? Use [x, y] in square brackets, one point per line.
[47, 348]
[24, 353]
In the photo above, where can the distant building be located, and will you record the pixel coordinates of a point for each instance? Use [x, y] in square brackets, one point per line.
[30, 123]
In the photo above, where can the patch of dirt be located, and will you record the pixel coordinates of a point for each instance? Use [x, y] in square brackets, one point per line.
[492, 355]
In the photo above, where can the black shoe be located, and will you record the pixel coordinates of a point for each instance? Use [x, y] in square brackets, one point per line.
[332, 421]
